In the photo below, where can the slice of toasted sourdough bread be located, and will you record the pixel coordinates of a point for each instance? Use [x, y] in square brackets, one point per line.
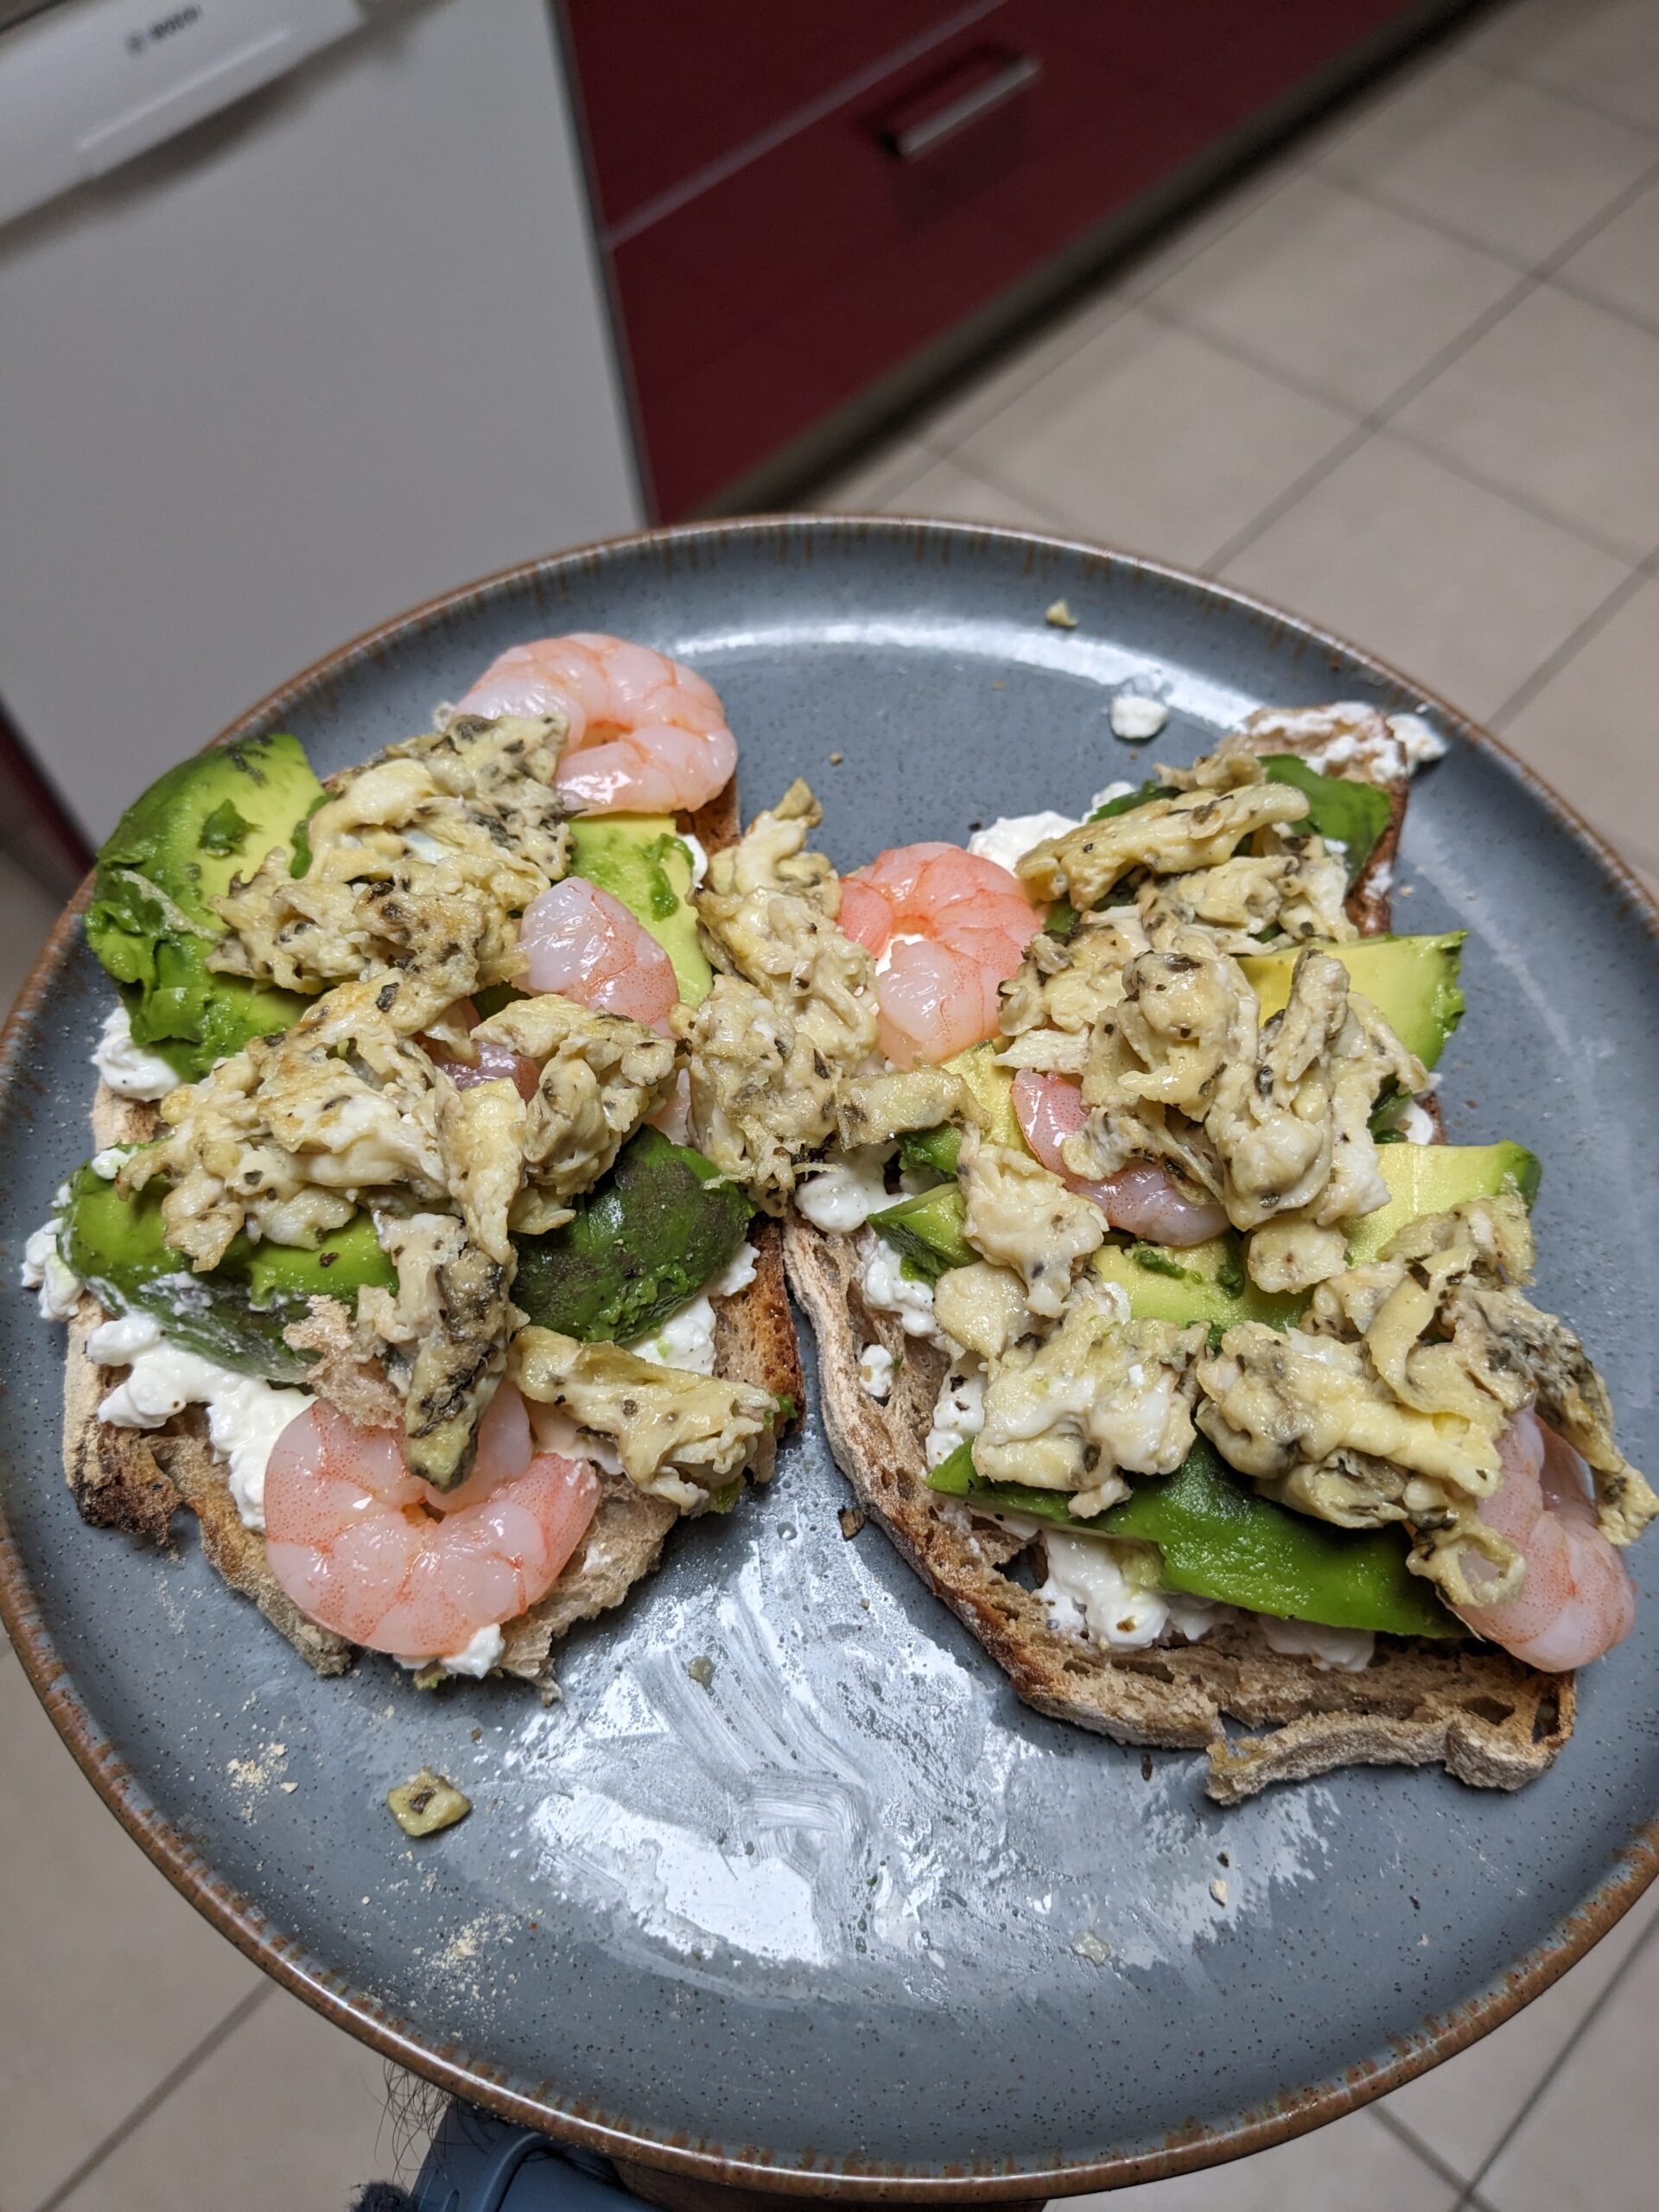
[1489, 1719]
[136, 1479]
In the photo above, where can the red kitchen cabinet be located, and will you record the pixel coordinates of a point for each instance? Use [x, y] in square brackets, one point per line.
[798, 203]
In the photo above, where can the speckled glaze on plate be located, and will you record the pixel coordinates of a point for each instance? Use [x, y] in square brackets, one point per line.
[813, 1927]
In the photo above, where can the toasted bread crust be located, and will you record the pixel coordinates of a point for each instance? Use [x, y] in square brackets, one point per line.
[1490, 1720]
[136, 1479]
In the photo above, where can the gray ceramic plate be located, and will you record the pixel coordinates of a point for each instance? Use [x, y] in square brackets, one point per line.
[814, 1925]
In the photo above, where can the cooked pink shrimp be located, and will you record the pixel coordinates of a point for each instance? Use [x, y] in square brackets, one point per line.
[367, 1549]
[647, 735]
[492, 1061]
[1576, 1599]
[1142, 1198]
[586, 945]
[949, 927]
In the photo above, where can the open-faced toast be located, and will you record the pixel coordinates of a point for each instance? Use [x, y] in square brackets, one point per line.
[1488, 1719]
[137, 1480]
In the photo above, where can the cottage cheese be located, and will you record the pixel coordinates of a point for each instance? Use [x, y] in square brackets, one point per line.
[45, 1271]
[875, 1370]
[890, 1292]
[1135, 716]
[245, 1414]
[130, 1070]
[846, 1190]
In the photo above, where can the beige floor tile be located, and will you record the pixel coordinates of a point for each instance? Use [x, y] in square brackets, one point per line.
[107, 1978]
[1591, 2142]
[1592, 731]
[26, 914]
[1605, 52]
[1344, 295]
[864, 486]
[1460, 588]
[1150, 439]
[288, 2113]
[1026, 361]
[1514, 167]
[1057, 339]
[1353, 2165]
[1620, 265]
[1557, 403]
[1462, 2109]
[956, 493]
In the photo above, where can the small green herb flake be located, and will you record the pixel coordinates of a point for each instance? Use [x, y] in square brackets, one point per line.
[223, 830]
[1159, 1263]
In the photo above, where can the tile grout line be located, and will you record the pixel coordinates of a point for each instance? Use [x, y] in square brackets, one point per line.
[1248, 358]
[948, 449]
[1552, 664]
[217, 2034]
[1441, 2167]
[1383, 413]
[1522, 501]
[1514, 76]
[1645, 570]
[1546, 2079]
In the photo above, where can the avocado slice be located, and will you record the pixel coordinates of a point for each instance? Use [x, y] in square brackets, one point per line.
[236, 1314]
[992, 1084]
[645, 1239]
[1411, 981]
[926, 1231]
[1195, 1282]
[1218, 1537]
[151, 922]
[1431, 1178]
[642, 859]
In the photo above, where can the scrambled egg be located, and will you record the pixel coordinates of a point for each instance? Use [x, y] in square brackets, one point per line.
[1191, 830]
[791, 1012]
[420, 863]
[1272, 1123]
[286, 1138]
[1064, 986]
[1387, 1405]
[1098, 1396]
[601, 1076]
[767, 914]
[1021, 1216]
[678, 1435]
[982, 1308]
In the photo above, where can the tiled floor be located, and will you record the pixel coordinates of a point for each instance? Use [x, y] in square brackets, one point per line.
[1405, 378]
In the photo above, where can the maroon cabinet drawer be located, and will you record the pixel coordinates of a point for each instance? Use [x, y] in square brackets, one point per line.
[760, 302]
[670, 86]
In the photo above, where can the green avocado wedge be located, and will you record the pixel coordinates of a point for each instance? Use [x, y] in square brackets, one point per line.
[643, 1240]
[1196, 1282]
[151, 922]
[1431, 1178]
[641, 859]
[1217, 1538]
[1411, 981]
[237, 1313]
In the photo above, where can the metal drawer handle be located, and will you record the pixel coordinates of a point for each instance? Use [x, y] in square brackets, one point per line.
[916, 139]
